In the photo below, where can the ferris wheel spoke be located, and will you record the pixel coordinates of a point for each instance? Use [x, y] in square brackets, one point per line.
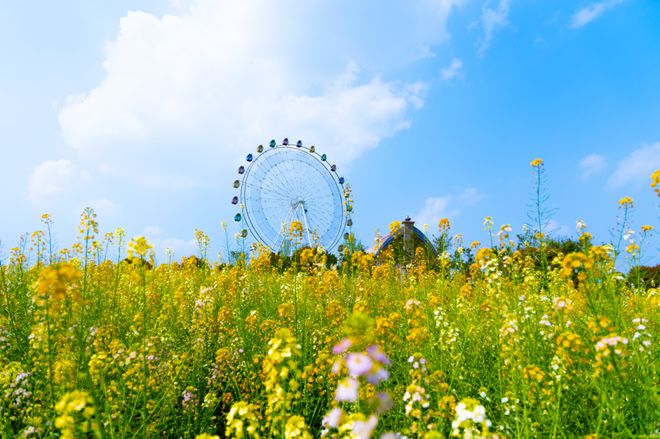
[281, 195]
[318, 214]
[274, 178]
[318, 198]
[291, 179]
[286, 186]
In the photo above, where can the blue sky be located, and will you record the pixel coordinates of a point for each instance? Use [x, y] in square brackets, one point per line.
[432, 108]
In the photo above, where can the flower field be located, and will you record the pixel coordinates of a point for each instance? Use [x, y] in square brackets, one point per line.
[98, 343]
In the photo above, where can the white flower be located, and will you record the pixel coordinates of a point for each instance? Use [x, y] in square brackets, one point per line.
[364, 429]
[347, 390]
[358, 364]
[333, 418]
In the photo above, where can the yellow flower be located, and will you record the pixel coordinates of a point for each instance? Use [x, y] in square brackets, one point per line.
[55, 283]
[533, 373]
[483, 256]
[139, 247]
[655, 181]
[585, 238]
[242, 421]
[575, 261]
[626, 202]
[202, 239]
[68, 406]
[296, 428]
[296, 229]
[444, 225]
[537, 163]
[395, 227]
[568, 342]
[646, 228]
[632, 248]
[46, 219]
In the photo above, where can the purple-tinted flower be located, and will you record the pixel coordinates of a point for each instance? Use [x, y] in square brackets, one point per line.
[21, 376]
[342, 346]
[358, 364]
[377, 353]
[378, 376]
[333, 418]
[364, 429]
[189, 398]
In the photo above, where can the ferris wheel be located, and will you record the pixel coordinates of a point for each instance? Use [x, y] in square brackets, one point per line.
[291, 184]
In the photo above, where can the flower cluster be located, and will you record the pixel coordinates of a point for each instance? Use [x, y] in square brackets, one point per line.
[609, 351]
[364, 365]
[139, 248]
[655, 181]
[471, 420]
[75, 413]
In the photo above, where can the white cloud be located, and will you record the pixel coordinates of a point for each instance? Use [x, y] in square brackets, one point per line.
[448, 206]
[591, 165]
[217, 78]
[51, 179]
[152, 231]
[434, 209]
[637, 166]
[181, 247]
[591, 12]
[470, 196]
[492, 19]
[148, 178]
[454, 69]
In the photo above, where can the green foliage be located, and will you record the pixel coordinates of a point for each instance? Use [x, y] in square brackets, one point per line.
[91, 347]
[645, 276]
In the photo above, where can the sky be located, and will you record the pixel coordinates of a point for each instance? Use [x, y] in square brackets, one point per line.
[144, 109]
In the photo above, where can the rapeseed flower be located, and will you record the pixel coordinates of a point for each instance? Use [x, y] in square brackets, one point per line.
[139, 248]
[536, 163]
[395, 228]
[655, 181]
[626, 202]
[444, 225]
[296, 230]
